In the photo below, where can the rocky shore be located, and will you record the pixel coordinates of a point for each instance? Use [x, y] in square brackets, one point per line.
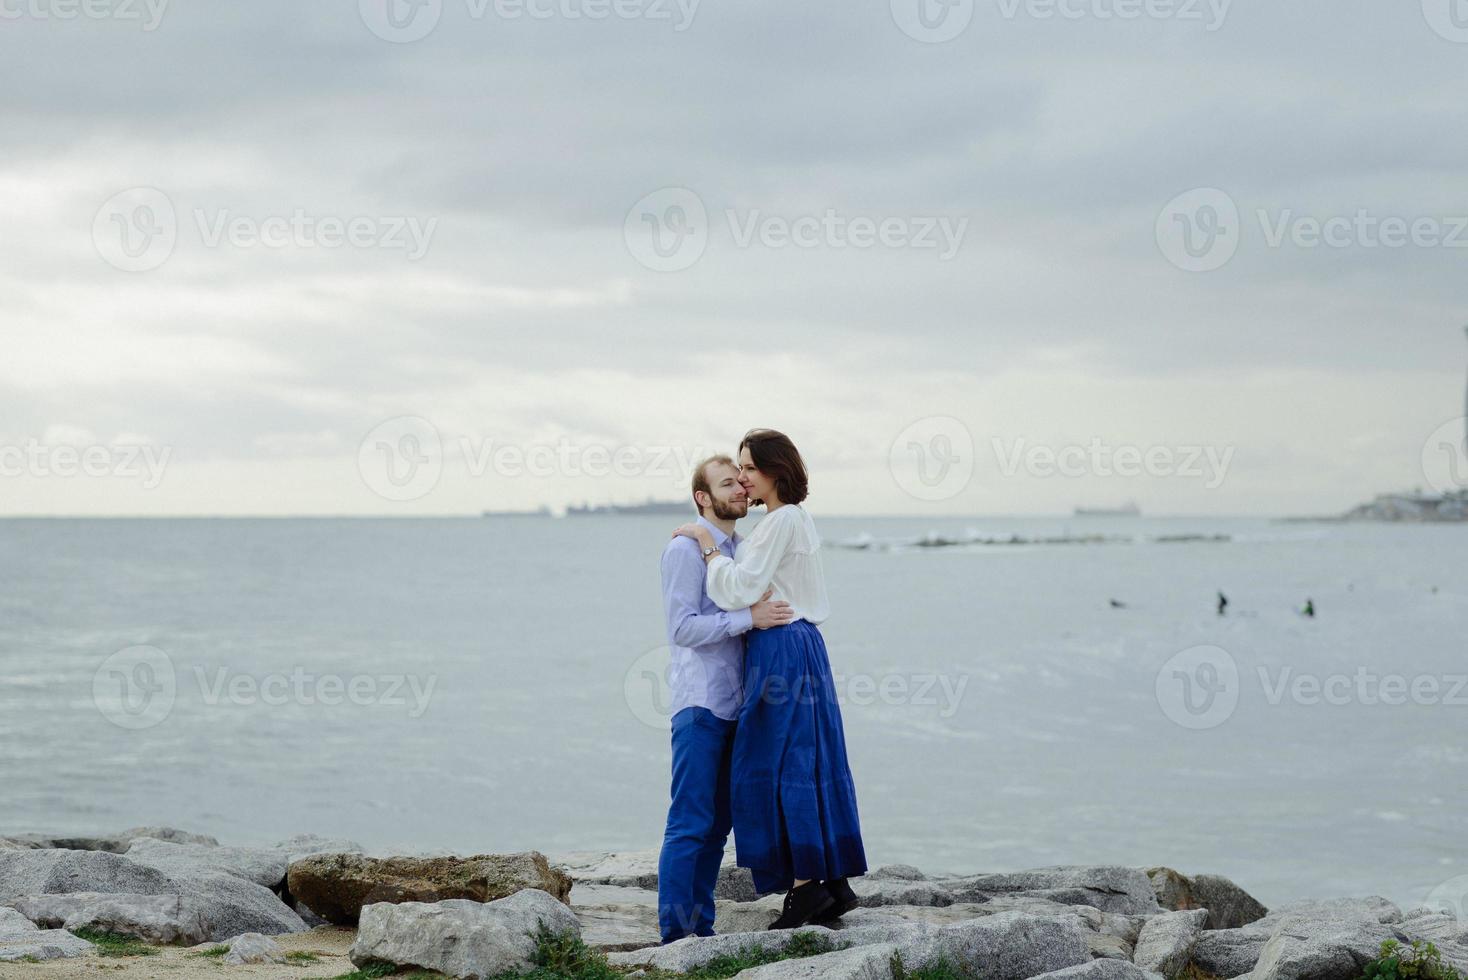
[317, 907]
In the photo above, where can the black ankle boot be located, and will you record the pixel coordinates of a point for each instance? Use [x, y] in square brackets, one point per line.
[802, 904]
[843, 900]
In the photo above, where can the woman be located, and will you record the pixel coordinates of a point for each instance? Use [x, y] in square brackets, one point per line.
[793, 801]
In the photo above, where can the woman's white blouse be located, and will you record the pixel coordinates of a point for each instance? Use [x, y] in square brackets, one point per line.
[783, 551]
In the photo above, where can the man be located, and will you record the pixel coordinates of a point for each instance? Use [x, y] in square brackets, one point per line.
[704, 677]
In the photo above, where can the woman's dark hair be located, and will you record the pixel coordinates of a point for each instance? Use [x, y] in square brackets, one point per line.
[776, 457]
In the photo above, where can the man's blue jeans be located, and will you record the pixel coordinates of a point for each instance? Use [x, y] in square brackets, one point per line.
[698, 824]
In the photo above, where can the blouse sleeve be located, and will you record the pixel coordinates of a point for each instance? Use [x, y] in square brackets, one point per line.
[738, 585]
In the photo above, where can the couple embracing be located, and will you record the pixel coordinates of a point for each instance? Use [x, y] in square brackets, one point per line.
[757, 739]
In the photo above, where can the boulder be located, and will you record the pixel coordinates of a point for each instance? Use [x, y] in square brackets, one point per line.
[1005, 946]
[617, 918]
[857, 963]
[875, 892]
[639, 869]
[162, 919]
[304, 845]
[460, 937]
[1100, 970]
[113, 843]
[1306, 946]
[251, 947]
[231, 905]
[896, 872]
[228, 903]
[1106, 887]
[263, 866]
[1228, 905]
[1165, 944]
[694, 951]
[50, 872]
[338, 886]
[21, 939]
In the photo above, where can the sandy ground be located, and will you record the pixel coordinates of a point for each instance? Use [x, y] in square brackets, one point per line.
[329, 943]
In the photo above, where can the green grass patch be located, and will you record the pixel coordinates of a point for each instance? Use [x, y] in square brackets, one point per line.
[115, 943]
[943, 969]
[213, 952]
[1419, 961]
[301, 956]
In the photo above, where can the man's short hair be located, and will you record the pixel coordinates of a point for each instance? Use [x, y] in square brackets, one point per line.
[701, 477]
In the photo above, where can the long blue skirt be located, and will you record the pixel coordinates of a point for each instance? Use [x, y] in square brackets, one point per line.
[793, 801]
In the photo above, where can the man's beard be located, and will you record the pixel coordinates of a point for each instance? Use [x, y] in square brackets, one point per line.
[728, 511]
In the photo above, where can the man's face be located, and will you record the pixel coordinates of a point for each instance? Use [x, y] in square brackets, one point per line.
[730, 500]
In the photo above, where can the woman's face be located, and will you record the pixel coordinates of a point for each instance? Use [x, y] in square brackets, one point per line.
[756, 484]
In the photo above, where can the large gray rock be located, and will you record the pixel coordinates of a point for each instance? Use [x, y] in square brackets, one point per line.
[113, 843]
[1109, 888]
[1314, 947]
[858, 963]
[639, 869]
[459, 937]
[304, 845]
[1101, 970]
[1228, 905]
[251, 947]
[48, 872]
[228, 903]
[1165, 944]
[616, 918]
[263, 866]
[875, 892]
[337, 886]
[694, 951]
[1005, 946]
[20, 939]
[896, 872]
[231, 905]
[1227, 953]
[163, 919]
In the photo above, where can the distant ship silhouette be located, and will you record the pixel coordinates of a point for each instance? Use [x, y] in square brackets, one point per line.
[650, 507]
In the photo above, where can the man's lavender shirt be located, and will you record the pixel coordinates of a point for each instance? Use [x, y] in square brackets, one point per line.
[707, 662]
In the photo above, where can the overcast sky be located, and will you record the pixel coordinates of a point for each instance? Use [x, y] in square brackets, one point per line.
[990, 257]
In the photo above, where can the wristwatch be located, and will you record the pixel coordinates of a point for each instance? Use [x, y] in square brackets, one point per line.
[710, 552]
